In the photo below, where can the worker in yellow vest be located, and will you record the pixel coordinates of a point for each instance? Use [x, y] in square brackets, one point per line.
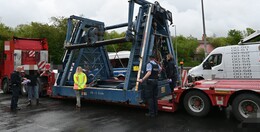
[80, 80]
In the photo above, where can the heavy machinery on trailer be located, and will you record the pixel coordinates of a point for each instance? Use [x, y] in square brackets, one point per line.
[30, 53]
[149, 34]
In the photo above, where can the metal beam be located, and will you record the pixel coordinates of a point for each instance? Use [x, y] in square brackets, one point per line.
[116, 26]
[98, 43]
[142, 2]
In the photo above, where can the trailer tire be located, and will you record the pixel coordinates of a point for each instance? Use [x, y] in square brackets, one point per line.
[244, 105]
[5, 86]
[196, 103]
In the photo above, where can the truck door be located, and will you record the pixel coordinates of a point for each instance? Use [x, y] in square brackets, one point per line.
[213, 67]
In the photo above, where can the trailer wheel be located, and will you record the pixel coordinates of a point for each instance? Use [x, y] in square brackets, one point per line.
[244, 105]
[196, 103]
[5, 86]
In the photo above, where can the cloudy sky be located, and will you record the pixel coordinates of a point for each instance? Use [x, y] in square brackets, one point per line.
[220, 15]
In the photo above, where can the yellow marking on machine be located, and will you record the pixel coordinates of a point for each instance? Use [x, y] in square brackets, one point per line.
[135, 68]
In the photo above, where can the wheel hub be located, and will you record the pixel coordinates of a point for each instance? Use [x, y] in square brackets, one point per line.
[249, 108]
[197, 103]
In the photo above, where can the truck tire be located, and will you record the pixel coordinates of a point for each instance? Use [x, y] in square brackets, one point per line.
[5, 86]
[196, 103]
[244, 105]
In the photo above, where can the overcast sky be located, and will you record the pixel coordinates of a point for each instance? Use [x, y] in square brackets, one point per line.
[220, 15]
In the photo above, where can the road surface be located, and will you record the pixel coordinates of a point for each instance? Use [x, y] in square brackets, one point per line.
[60, 115]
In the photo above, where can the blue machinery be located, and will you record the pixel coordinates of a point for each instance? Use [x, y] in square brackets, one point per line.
[149, 34]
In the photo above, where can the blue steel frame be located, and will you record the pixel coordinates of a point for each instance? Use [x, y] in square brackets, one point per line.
[142, 33]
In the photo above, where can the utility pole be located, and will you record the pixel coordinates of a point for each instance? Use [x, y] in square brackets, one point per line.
[204, 30]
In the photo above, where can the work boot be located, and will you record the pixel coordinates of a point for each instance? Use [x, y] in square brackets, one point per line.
[29, 103]
[37, 101]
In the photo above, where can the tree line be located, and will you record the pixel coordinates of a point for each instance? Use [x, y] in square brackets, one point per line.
[55, 32]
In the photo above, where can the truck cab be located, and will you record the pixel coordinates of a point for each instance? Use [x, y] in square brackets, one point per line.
[30, 53]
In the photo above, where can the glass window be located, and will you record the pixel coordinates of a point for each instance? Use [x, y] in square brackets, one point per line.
[212, 61]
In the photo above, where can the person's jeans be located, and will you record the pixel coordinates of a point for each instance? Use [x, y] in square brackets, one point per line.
[33, 91]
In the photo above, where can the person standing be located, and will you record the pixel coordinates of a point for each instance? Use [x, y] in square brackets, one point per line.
[171, 71]
[151, 90]
[16, 81]
[33, 89]
[80, 80]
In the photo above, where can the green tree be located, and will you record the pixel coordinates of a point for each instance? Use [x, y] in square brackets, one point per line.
[116, 47]
[5, 34]
[234, 37]
[55, 34]
[186, 49]
[248, 31]
[217, 42]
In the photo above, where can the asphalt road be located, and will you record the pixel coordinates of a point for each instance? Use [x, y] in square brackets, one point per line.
[56, 115]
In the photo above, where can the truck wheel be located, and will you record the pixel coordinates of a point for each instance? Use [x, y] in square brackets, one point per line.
[24, 90]
[5, 86]
[196, 103]
[244, 105]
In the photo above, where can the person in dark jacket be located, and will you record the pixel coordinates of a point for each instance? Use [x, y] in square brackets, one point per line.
[171, 71]
[16, 81]
[32, 88]
[151, 89]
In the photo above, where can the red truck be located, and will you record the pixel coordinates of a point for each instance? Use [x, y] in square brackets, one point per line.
[242, 94]
[30, 53]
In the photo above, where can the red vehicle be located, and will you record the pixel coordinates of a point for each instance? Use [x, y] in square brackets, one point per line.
[200, 96]
[30, 53]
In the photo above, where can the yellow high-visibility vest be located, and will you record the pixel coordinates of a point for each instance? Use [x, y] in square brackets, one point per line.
[80, 80]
